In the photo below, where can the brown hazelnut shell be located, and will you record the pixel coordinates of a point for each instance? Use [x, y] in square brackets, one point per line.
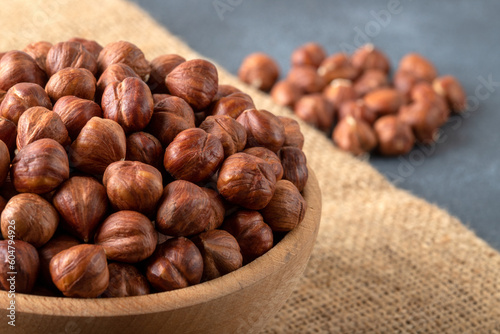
[27, 265]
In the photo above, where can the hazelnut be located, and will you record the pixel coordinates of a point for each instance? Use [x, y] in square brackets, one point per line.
[337, 66]
[125, 280]
[383, 101]
[175, 264]
[220, 252]
[259, 70]
[129, 103]
[394, 136]
[40, 167]
[218, 208]
[182, 210]
[285, 93]
[54, 246]
[144, 147]
[254, 236]
[338, 92]
[160, 67]
[268, 156]
[306, 78]
[424, 118]
[355, 136]
[231, 134]
[358, 110]
[177, 106]
[293, 135]
[450, 88]
[101, 142]
[246, 180]
[126, 53]
[286, 209]
[424, 92]
[263, 129]
[368, 57]
[232, 105]
[167, 125]
[114, 73]
[35, 220]
[158, 97]
[195, 81]
[20, 98]
[8, 134]
[314, 109]
[310, 54]
[127, 236]
[69, 54]
[75, 113]
[80, 271]
[294, 164]
[4, 162]
[370, 80]
[39, 122]
[92, 46]
[404, 83]
[82, 203]
[17, 67]
[133, 185]
[225, 90]
[418, 66]
[38, 51]
[26, 265]
[78, 82]
[193, 155]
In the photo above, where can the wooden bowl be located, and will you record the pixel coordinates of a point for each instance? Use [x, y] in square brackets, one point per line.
[239, 302]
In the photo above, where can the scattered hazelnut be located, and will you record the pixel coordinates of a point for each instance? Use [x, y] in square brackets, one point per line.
[358, 110]
[423, 92]
[78, 82]
[144, 147]
[368, 57]
[101, 142]
[8, 134]
[38, 51]
[394, 137]
[306, 78]
[92, 46]
[263, 129]
[293, 135]
[310, 54]
[125, 280]
[82, 203]
[286, 209]
[160, 67]
[268, 156]
[26, 266]
[355, 136]
[337, 66]
[75, 112]
[114, 73]
[196, 81]
[450, 88]
[220, 252]
[126, 53]
[285, 93]
[231, 134]
[338, 92]
[127, 236]
[129, 103]
[259, 70]
[69, 54]
[17, 67]
[314, 109]
[294, 164]
[254, 236]
[54, 246]
[383, 101]
[34, 219]
[39, 122]
[175, 264]
[424, 118]
[418, 66]
[80, 271]
[193, 155]
[246, 180]
[4, 162]
[133, 185]
[369, 81]
[40, 167]
[232, 105]
[182, 210]
[20, 98]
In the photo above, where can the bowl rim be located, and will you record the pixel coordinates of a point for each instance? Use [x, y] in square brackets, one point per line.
[201, 293]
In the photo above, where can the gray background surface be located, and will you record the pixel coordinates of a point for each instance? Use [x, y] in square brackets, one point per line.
[462, 172]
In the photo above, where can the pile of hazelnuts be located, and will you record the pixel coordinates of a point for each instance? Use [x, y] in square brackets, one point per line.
[123, 177]
[352, 99]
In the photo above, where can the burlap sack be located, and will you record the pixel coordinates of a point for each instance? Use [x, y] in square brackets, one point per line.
[384, 262]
